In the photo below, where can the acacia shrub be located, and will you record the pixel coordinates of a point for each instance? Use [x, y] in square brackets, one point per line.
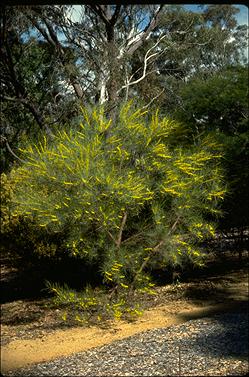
[122, 194]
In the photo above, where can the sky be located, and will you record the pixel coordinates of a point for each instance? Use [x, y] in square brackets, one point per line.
[243, 16]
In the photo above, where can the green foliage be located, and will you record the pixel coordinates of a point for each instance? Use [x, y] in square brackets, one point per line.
[127, 198]
[236, 164]
[6, 190]
[20, 234]
[31, 85]
[220, 105]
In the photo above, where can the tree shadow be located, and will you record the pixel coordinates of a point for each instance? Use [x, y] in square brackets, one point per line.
[217, 264]
[23, 289]
[227, 339]
[27, 284]
[20, 288]
[221, 280]
[238, 306]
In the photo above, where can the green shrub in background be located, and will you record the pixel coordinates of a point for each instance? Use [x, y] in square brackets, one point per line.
[122, 195]
[6, 190]
[21, 235]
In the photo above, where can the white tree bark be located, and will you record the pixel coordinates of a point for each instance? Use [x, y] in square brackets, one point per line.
[147, 57]
[102, 88]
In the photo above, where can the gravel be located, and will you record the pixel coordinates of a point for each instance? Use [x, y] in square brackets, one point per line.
[216, 346]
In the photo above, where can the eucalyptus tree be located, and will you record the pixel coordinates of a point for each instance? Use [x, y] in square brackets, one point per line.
[104, 39]
[111, 51]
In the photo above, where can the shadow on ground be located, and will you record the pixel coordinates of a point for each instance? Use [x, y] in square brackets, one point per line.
[227, 340]
[209, 311]
[223, 280]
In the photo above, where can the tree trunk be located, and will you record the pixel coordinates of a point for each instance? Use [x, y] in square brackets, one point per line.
[112, 84]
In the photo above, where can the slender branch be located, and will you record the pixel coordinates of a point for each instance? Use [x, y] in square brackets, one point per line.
[155, 248]
[4, 139]
[173, 226]
[136, 81]
[119, 239]
[113, 291]
[103, 11]
[54, 41]
[136, 235]
[115, 14]
[31, 107]
[147, 57]
[99, 11]
[12, 99]
[121, 230]
[153, 99]
[109, 233]
[41, 30]
[52, 34]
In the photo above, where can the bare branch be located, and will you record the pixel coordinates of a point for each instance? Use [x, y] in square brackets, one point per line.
[99, 10]
[116, 14]
[121, 230]
[119, 239]
[153, 99]
[32, 108]
[41, 30]
[4, 139]
[109, 233]
[145, 74]
[104, 12]
[54, 41]
[174, 225]
[147, 57]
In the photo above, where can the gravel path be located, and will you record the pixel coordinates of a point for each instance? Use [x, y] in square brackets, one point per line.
[214, 346]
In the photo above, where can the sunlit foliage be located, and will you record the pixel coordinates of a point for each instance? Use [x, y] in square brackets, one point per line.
[123, 194]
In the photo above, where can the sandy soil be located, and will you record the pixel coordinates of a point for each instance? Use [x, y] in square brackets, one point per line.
[20, 353]
[226, 293]
[64, 342]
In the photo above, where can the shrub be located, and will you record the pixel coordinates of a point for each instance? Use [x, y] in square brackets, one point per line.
[92, 305]
[6, 189]
[123, 194]
[20, 233]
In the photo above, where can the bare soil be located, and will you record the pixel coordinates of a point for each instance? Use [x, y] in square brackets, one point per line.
[33, 331]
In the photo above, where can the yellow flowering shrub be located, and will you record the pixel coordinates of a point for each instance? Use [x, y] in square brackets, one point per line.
[122, 194]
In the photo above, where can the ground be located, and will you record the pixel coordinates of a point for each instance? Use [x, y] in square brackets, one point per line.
[33, 331]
